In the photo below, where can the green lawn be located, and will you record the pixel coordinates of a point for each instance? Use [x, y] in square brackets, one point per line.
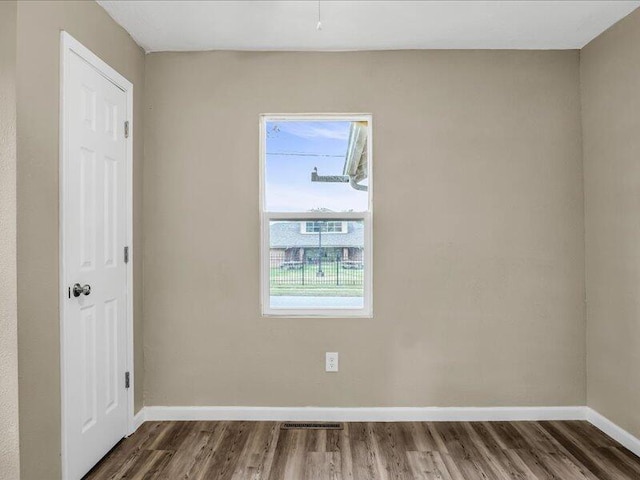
[309, 291]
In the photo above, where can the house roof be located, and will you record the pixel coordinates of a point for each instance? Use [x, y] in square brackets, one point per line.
[288, 235]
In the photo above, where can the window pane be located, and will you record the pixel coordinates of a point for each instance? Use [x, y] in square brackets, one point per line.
[321, 269]
[330, 226]
[316, 165]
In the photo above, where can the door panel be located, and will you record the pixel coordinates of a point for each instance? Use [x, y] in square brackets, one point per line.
[94, 326]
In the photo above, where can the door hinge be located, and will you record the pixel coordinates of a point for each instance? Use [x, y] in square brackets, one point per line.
[126, 254]
[126, 129]
[127, 382]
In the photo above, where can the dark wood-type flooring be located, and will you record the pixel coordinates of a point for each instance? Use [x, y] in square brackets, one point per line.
[369, 451]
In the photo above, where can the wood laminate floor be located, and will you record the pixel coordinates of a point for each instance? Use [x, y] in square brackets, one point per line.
[369, 451]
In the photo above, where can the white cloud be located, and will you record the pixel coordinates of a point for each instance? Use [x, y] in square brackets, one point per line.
[316, 130]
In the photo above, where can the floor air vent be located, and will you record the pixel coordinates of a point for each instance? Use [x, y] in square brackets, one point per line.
[311, 426]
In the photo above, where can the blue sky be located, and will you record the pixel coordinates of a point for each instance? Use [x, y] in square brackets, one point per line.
[294, 148]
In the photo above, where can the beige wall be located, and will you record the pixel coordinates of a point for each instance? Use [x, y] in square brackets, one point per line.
[610, 77]
[39, 25]
[478, 231]
[9, 453]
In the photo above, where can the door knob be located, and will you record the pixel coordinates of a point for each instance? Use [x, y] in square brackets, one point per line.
[79, 290]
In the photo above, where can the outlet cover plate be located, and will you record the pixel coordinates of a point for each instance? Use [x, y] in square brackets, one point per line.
[331, 362]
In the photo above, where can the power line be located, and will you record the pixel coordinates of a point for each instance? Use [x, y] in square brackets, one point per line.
[293, 154]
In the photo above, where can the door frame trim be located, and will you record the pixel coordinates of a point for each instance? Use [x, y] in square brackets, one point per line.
[68, 46]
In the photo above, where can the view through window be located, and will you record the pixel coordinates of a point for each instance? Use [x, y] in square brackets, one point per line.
[316, 215]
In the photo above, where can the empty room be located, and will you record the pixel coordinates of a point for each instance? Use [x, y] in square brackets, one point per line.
[319, 240]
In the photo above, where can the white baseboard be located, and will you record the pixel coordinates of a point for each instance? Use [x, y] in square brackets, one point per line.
[614, 431]
[390, 414]
[138, 419]
[372, 414]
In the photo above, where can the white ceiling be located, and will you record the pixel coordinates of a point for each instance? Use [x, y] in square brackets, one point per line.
[363, 24]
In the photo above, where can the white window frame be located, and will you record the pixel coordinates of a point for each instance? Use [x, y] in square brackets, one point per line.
[266, 217]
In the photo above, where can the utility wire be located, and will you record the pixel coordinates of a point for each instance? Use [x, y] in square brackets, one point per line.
[293, 154]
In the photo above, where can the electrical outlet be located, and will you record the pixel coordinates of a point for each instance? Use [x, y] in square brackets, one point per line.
[331, 362]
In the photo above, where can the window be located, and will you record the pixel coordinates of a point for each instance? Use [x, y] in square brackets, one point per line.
[329, 226]
[316, 212]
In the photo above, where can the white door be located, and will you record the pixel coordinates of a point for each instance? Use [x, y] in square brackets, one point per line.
[94, 233]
